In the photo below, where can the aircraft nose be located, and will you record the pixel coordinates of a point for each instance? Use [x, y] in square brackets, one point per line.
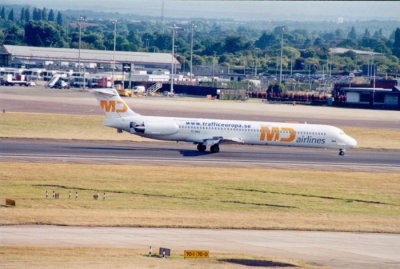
[351, 141]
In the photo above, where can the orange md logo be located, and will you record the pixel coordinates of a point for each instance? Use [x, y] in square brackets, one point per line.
[277, 134]
[113, 106]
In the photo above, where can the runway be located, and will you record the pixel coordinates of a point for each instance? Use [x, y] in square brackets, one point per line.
[166, 153]
[334, 249]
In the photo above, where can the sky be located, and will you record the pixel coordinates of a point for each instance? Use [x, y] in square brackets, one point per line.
[238, 10]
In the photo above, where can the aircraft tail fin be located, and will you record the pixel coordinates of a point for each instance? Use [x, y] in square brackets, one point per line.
[112, 104]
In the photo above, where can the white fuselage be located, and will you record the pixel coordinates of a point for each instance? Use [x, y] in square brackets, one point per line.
[212, 131]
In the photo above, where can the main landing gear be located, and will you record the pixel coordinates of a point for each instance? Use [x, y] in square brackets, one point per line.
[201, 147]
[213, 148]
[342, 152]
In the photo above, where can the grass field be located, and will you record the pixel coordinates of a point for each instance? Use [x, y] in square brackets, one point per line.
[156, 196]
[61, 126]
[84, 257]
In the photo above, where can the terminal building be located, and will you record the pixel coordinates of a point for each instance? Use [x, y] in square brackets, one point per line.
[62, 58]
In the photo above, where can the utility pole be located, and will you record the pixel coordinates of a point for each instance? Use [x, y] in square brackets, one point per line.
[80, 20]
[280, 70]
[174, 28]
[191, 52]
[213, 64]
[373, 92]
[255, 67]
[115, 43]
[162, 16]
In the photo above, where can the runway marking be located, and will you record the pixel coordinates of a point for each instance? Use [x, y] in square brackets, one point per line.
[172, 159]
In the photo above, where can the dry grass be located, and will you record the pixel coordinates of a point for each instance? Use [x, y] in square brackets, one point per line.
[84, 257]
[201, 197]
[375, 138]
[59, 126]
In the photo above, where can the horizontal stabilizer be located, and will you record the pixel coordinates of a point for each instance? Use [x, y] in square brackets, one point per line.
[105, 91]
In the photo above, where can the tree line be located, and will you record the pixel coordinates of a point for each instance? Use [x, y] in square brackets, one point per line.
[242, 49]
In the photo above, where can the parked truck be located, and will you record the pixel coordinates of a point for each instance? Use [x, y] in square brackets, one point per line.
[8, 80]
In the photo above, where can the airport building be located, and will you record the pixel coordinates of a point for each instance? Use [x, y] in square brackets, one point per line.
[367, 95]
[24, 56]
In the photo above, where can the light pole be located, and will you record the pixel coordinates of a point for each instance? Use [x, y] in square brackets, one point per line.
[115, 43]
[256, 60]
[309, 76]
[174, 28]
[280, 70]
[374, 69]
[213, 64]
[80, 20]
[191, 52]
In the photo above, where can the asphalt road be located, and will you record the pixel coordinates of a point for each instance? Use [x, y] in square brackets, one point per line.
[163, 153]
[335, 249]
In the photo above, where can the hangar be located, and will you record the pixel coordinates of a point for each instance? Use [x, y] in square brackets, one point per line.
[25, 56]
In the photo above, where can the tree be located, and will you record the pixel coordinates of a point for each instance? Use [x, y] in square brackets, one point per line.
[45, 34]
[51, 16]
[375, 45]
[378, 34]
[59, 19]
[299, 64]
[134, 39]
[11, 15]
[198, 60]
[351, 54]
[367, 34]
[3, 13]
[94, 41]
[339, 34]
[27, 15]
[44, 14]
[22, 17]
[265, 40]
[14, 36]
[234, 44]
[352, 34]
[308, 53]
[37, 14]
[276, 88]
[348, 43]
[396, 44]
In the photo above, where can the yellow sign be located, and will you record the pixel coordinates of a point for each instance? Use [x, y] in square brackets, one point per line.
[196, 254]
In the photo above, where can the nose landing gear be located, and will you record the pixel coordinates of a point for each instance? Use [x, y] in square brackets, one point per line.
[342, 152]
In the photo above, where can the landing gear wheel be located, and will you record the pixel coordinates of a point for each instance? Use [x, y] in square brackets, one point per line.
[201, 147]
[341, 152]
[214, 148]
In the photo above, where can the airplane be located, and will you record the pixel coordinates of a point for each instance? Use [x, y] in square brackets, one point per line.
[212, 132]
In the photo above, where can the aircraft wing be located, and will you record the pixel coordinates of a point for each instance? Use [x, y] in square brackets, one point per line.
[217, 140]
[235, 139]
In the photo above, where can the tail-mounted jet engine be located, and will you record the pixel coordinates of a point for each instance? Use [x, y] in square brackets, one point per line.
[154, 128]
